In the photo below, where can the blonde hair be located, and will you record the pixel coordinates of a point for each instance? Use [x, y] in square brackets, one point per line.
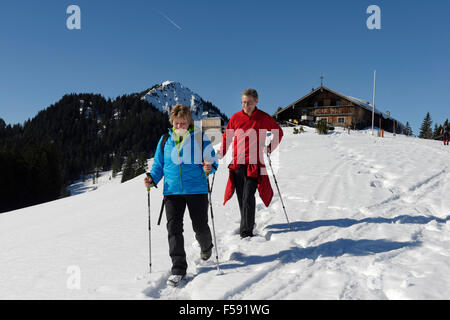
[181, 111]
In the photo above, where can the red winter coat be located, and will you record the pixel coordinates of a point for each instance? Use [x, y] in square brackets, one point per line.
[249, 135]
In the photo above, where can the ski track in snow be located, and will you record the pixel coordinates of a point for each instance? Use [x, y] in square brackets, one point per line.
[369, 217]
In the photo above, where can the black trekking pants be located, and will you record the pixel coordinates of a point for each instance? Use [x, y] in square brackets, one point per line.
[198, 210]
[245, 192]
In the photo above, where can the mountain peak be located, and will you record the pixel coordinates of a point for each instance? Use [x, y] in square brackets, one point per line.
[166, 95]
[166, 83]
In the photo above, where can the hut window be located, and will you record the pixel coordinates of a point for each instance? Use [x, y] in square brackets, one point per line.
[338, 103]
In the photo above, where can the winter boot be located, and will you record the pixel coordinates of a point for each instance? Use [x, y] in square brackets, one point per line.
[206, 254]
[175, 279]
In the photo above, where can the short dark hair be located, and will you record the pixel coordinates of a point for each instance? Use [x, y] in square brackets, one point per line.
[250, 92]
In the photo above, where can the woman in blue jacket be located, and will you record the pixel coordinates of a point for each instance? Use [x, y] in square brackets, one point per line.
[184, 159]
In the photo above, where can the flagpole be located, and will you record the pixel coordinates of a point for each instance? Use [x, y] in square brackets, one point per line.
[373, 101]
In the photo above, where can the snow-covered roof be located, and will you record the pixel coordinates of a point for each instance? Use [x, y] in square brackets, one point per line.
[365, 104]
[210, 114]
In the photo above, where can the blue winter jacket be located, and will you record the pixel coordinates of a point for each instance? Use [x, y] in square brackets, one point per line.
[182, 169]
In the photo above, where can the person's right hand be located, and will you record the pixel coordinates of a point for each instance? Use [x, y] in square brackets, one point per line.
[148, 182]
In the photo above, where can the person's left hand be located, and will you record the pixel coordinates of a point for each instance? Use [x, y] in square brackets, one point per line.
[207, 167]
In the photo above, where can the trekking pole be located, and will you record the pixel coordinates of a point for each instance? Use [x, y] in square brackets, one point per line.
[212, 221]
[149, 227]
[276, 183]
[161, 211]
[149, 230]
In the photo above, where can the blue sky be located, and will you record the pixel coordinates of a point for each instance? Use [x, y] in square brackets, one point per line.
[218, 48]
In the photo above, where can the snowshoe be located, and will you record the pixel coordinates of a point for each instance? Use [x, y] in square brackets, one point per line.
[175, 279]
[206, 255]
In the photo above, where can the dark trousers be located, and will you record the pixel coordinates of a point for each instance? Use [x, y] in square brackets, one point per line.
[198, 210]
[245, 192]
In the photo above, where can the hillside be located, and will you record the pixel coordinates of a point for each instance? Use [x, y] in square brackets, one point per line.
[370, 220]
[83, 134]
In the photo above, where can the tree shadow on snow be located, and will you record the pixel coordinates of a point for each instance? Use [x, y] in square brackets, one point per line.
[335, 248]
[344, 223]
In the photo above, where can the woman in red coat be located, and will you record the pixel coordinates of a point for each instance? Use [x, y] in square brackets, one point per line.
[247, 171]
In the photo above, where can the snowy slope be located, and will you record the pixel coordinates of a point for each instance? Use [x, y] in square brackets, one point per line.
[170, 93]
[370, 219]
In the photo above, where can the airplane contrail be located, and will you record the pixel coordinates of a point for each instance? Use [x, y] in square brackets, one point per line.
[170, 20]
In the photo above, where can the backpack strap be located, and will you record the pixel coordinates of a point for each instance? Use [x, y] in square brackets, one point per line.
[164, 140]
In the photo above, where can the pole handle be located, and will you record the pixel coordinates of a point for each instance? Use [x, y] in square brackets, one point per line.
[153, 182]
